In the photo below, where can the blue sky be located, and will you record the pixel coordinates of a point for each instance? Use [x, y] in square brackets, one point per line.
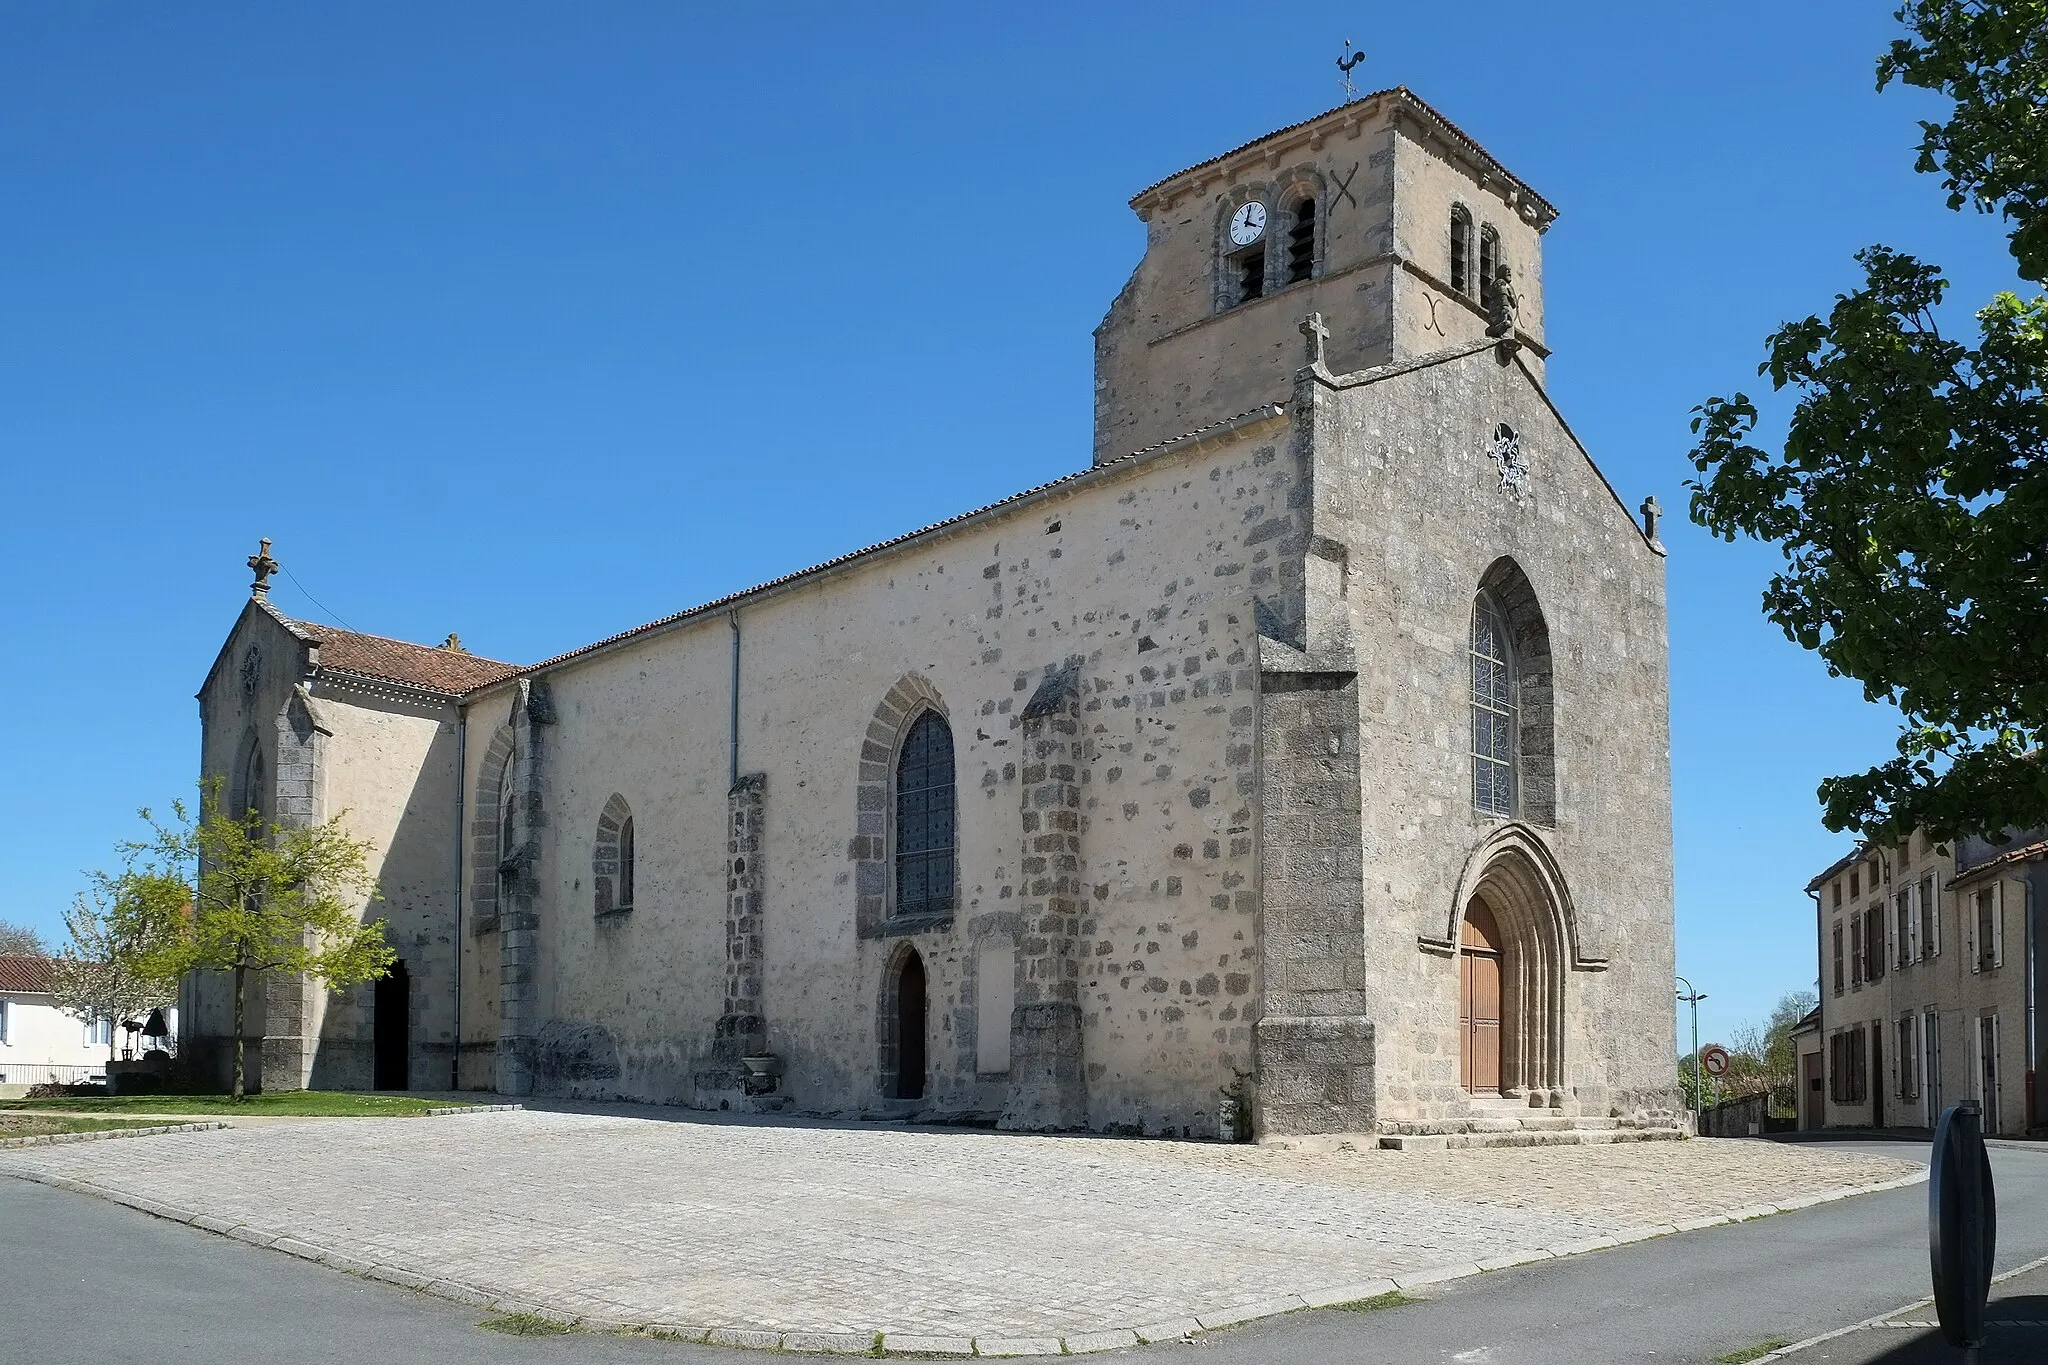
[537, 322]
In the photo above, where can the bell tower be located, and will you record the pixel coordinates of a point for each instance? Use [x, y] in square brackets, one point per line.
[1379, 214]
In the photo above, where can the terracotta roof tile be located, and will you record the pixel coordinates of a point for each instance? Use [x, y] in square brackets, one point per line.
[373, 656]
[2023, 854]
[25, 975]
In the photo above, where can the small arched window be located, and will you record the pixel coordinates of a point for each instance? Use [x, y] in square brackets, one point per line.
[1489, 265]
[1461, 249]
[925, 819]
[245, 799]
[611, 862]
[1493, 712]
[1301, 241]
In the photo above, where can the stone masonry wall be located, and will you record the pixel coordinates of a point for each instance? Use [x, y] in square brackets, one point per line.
[1422, 508]
[1141, 580]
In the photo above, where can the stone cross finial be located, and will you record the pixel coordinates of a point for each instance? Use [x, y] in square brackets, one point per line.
[1312, 328]
[1652, 514]
[263, 566]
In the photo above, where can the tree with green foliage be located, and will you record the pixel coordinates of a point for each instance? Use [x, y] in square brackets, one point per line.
[268, 898]
[120, 962]
[18, 940]
[1910, 494]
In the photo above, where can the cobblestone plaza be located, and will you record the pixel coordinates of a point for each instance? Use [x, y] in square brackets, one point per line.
[805, 1232]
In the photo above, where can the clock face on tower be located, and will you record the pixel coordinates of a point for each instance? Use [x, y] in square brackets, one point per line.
[1248, 223]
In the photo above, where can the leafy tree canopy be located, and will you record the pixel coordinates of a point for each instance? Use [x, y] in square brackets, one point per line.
[1910, 495]
[121, 960]
[269, 898]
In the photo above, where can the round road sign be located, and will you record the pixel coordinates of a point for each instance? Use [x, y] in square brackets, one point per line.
[1714, 1059]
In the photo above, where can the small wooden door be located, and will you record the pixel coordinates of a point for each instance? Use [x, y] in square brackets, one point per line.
[1479, 1001]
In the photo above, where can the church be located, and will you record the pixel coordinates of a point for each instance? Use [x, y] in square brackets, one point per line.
[1301, 765]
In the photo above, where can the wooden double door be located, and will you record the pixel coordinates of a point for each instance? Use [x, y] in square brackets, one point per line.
[1479, 995]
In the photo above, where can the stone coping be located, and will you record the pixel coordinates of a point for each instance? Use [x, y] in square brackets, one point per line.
[904, 1344]
[96, 1135]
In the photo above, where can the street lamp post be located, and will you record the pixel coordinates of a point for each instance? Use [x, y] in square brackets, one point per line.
[1692, 997]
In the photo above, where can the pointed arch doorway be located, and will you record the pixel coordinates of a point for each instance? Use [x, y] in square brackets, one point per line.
[1479, 1001]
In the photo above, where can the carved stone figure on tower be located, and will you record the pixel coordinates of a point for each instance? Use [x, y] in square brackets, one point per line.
[1506, 303]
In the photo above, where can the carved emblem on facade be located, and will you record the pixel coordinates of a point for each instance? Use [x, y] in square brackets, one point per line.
[1506, 451]
[252, 671]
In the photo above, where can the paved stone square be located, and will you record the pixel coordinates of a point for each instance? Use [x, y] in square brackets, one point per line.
[793, 1228]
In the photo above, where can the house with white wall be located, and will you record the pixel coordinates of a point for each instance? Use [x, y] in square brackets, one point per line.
[37, 1037]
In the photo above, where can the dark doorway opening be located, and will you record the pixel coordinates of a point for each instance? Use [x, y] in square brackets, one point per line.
[393, 1019]
[910, 1024]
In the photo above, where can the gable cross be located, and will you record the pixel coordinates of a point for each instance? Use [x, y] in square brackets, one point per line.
[263, 566]
[1316, 334]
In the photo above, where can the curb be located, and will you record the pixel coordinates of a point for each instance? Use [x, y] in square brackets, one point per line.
[923, 1344]
[1886, 1318]
[52, 1139]
[470, 1109]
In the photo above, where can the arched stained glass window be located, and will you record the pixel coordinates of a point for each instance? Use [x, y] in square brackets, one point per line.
[925, 819]
[1493, 712]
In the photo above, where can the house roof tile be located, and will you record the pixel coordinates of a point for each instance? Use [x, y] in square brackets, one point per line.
[449, 671]
[23, 974]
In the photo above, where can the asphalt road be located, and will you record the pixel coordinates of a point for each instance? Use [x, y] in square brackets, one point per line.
[83, 1281]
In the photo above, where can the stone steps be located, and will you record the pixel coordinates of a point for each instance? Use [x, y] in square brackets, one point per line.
[1491, 1136]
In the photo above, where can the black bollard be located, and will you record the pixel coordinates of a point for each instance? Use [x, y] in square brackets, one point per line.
[1962, 1225]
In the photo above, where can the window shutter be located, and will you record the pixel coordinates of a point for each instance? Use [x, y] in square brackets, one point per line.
[1997, 927]
[1931, 898]
[3, 1021]
[1972, 927]
[1912, 924]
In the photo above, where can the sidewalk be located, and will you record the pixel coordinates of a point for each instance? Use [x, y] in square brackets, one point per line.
[2016, 1333]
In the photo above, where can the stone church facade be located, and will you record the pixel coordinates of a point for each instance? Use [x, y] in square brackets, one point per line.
[1302, 765]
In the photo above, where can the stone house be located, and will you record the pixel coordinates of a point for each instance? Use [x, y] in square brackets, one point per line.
[1927, 957]
[1302, 764]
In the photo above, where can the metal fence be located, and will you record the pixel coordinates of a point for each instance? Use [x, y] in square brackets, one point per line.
[1748, 1116]
[49, 1073]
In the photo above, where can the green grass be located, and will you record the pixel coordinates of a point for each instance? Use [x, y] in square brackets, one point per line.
[1756, 1352]
[1393, 1298]
[37, 1125]
[301, 1103]
[525, 1325]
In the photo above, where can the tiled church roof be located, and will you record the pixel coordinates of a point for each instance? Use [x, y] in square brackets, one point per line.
[25, 975]
[451, 671]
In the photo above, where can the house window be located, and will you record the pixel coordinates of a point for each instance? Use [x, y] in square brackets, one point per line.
[925, 819]
[1930, 918]
[1905, 853]
[1856, 950]
[1489, 267]
[1855, 885]
[1493, 713]
[1873, 943]
[1838, 957]
[1847, 1078]
[1838, 893]
[1904, 929]
[1987, 1070]
[1461, 249]
[1909, 1085]
[1301, 242]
